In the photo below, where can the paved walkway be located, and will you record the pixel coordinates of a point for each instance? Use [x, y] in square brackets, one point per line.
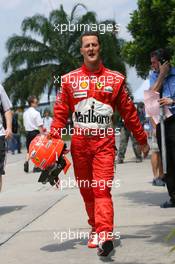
[33, 217]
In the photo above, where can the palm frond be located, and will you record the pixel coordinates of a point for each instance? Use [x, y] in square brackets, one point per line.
[38, 24]
[72, 16]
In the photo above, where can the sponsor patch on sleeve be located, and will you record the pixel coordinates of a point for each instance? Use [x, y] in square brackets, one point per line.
[108, 89]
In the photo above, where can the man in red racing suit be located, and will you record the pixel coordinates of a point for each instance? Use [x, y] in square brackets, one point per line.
[92, 94]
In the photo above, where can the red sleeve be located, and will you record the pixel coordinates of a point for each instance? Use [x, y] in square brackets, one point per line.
[61, 112]
[128, 112]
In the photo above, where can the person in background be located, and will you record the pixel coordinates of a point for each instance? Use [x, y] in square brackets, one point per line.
[47, 120]
[125, 134]
[15, 141]
[5, 128]
[155, 158]
[33, 124]
[162, 80]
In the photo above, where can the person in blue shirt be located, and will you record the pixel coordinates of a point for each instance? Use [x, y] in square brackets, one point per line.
[162, 80]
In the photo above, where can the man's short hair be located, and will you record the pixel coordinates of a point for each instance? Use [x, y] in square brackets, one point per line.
[47, 110]
[31, 99]
[89, 33]
[161, 53]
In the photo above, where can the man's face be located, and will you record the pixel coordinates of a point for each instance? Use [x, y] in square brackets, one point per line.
[155, 63]
[90, 49]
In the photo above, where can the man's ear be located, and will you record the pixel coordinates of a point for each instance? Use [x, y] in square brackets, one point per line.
[81, 52]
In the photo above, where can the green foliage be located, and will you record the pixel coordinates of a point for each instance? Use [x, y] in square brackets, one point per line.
[170, 237]
[42, 52]
[152, 26]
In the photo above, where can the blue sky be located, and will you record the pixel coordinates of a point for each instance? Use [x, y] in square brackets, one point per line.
[12, 12]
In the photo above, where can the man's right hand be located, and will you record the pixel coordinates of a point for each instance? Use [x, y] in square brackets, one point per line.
[65, 150]
[163, 72]
[164, 69]
[145, 149]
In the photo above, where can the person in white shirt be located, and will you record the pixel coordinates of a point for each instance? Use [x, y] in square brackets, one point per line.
[33, 124]
[47, 120]
[5, 128]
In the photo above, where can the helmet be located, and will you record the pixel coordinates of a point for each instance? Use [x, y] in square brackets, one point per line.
[44, 151]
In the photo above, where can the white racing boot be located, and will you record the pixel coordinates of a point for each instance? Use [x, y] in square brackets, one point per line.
[93, 240]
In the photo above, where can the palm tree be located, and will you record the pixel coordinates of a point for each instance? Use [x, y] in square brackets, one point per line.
[42, 53]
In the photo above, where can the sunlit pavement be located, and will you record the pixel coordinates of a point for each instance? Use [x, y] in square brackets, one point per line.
[35, 218]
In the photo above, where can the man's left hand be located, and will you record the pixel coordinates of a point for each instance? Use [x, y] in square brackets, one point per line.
[145, 149]
[165, 101]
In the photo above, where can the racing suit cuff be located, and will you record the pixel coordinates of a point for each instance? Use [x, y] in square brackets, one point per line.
[143, 142]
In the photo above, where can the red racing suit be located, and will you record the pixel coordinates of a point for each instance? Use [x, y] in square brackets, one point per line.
[92, 98]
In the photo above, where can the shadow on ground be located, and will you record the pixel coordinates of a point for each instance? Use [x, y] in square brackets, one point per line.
[151, 235]
[66, 245]
[159, 232]
[9, 209]
[147, 198]
[71, 244]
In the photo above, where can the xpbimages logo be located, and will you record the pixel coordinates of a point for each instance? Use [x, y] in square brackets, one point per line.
[101, 28]
[75, 80]
[102, 185]
[63, 236]
[101, 132]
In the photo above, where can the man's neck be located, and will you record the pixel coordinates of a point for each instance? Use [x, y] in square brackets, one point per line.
[92, 67]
